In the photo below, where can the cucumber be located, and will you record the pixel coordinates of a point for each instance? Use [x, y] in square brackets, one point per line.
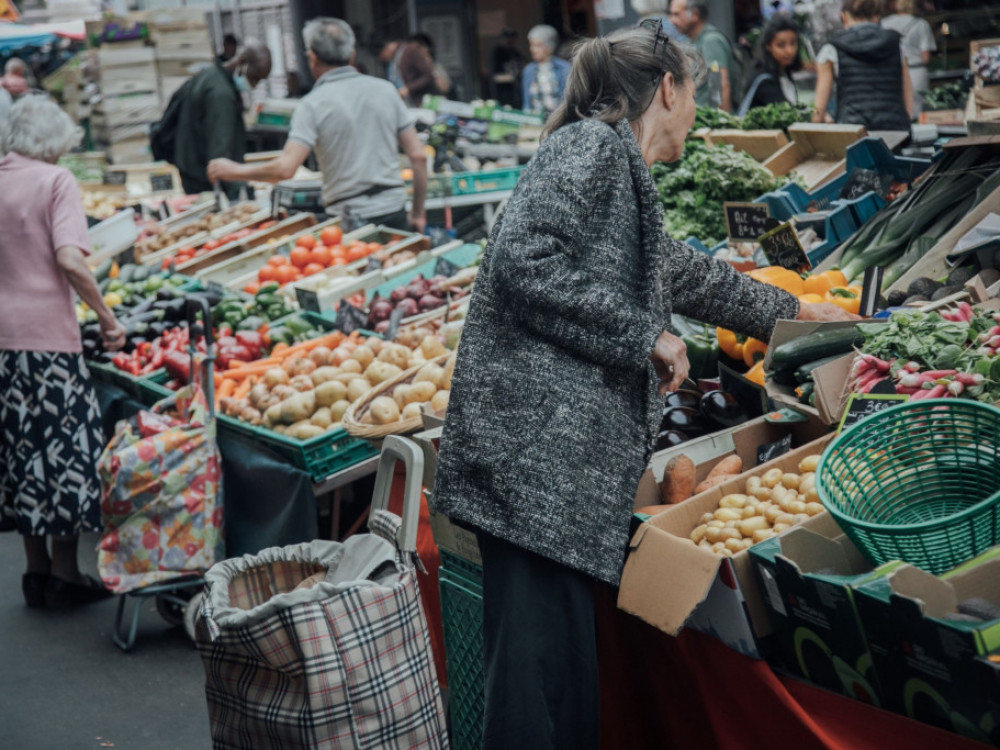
[126, 272]
[814, 346]
[784, 377]
[804, 373]
[141, 273]
[102, 270]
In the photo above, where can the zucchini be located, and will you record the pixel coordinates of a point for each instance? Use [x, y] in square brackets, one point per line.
[784, 377]
[814, 346]
[126, 273]
[804, 373]
[141, 273]
[102, 270]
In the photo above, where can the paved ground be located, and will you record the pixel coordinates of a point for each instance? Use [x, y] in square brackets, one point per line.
[65, 686]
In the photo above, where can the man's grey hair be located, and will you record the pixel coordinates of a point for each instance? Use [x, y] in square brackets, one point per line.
[698, 5]
[645, 8]
[38, 129]
[15, 65]
[330, 39]
[545, 34]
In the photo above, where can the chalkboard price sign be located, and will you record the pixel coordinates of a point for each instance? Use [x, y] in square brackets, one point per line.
[770, 451]
[863, 405]
[394, 318]
[445, 267]
[746, 221]
[160, 182]
[350, 318]
[781, 247]
[114, 178]
[861, 181]
[374, 264]
[308, 299]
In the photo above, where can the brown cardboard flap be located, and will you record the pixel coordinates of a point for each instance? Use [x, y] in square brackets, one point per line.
[935, 597]
[810, 550]
[678, 571]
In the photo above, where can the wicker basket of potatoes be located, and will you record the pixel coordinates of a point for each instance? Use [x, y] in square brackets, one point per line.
[396, 406]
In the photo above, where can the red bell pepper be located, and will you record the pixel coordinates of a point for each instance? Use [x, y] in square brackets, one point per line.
[178, 365]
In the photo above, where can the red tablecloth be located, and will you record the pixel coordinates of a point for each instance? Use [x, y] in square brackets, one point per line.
[694, 692]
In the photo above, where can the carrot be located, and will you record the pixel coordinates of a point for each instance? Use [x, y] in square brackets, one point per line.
[225, 390]
[678, 480]
[244, 386]
[307, 346]
[236, 364]
[279, 348]
[240, 373]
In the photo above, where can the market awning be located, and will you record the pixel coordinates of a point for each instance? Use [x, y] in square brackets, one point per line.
[15, 35]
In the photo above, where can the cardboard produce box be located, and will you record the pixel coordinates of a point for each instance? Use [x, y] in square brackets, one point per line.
[760, 144]
[928, 665]
[671, 583]
[805, 577]
[818, 153]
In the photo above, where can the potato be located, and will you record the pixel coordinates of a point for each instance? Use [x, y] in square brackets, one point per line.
[724, 552]
[733, 501]
[705, 544]
[267, 402]
[814, 509]
[728, 514]
[719, 547]
[339, 355]
[422, 392]
[347, 377]
[715, 523]
[320, 355]
[753, 484]
[706, 517]
[400, 394]
[781, 494]
[751, 510]
[779, 527]
[275, 376]
[772, 513]
[299, 366]
[762, 493]
[430, 373]
[338, 409]
[736, 545]
[749, 525]
[762, 534]
[440, 401]
[384, 410]
[413, 411]
[364, 355]
[379, 371]
[352, 365]
[713, 534]
[812, 496]
[324, 374]
[251, 415]
[785, 518]
[449, 369]
[432, 347]
[699, 533]
[771, 478]
[357, 388]
[329, 392]
[322, 417]
[298, 407]
[800, 517]
[394, 354]
[795, 507]
[273, 415]
[302, 383]
[281, 429]
[809, 463]
[375, 344]
[791, 481]
[304, 431]
[257, 394]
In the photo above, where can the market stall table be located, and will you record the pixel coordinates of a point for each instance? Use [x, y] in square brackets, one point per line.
[489, 201]
[693, 692]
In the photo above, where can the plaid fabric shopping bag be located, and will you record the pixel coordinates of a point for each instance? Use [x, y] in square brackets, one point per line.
[319, 645]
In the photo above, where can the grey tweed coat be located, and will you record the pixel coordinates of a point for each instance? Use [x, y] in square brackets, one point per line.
[554, 405]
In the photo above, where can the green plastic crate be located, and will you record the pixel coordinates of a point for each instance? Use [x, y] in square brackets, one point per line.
[489, 181]
[918, 482]
[461, 584]
[108, 373]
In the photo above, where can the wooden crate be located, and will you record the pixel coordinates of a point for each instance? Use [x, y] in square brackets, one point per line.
[760, 144]
[818, 152]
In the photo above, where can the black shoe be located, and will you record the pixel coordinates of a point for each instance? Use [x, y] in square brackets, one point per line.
[60, 594]
[33, 587]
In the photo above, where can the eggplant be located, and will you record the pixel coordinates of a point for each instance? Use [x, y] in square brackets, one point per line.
[669, 439]
[159, 327]
[683, 397]
[722, 408]
[174, 309]
[145, 306]
[165, 293]
[209, 295]
[688, 421]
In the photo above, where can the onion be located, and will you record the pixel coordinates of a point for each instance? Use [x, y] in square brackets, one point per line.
[430, 302]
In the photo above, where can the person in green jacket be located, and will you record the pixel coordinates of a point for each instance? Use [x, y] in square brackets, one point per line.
[210, 122]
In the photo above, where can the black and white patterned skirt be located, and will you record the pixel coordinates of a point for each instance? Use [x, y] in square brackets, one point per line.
[50, 441]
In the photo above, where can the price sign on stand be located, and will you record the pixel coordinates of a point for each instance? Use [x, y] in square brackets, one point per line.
[746, 222]
[394, 318]
[114, 178]
[861, 181]
[350, 318]
[308, 299]
[374, 264]
[862, 405]
[771, 451]
[781, 247]
[445, 267]
[160, 182]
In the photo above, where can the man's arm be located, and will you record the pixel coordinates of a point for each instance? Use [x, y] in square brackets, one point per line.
[824, 87]
[907, 90]
[727, 99]
[281, 168]
[412, 147]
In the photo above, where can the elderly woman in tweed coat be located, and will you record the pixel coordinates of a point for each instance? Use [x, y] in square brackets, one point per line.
[565, 357]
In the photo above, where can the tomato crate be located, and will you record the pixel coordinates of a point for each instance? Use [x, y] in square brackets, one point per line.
[105, 372]
[488, 181]
[461, 584]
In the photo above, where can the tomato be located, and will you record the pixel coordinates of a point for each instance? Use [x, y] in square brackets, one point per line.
[320, 254]
[357, 252]
[267, 224]
[278, 260]
[374, 247]
[299, 256]
[284, 274]
[307, 241]
[331, 236]
[252, 288]
[267, 273]
[166, 263]
[312, 268]
[211, 245]
[186, 250]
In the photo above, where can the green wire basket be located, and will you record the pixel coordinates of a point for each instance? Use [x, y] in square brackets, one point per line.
[919, 482]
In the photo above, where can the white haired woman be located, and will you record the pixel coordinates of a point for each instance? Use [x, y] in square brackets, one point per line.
[51, 428]
[544, 79]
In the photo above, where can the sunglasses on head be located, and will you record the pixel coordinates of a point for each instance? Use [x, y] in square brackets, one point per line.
[656, 26]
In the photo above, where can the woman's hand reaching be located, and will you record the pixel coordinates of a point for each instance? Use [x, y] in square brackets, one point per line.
[824, 311]
[670, 359]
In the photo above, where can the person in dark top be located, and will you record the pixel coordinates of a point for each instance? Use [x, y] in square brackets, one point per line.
[210, 122]
[873, 84]
[777, 55]
[508, 62]
[229, 46]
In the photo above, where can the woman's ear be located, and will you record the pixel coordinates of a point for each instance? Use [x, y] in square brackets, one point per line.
[668, 91]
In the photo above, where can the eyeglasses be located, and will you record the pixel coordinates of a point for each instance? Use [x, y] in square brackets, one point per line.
[656, 26]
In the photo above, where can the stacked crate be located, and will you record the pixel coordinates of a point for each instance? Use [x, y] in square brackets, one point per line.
[130, 101]
[183, 45]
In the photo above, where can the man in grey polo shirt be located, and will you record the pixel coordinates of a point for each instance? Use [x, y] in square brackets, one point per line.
[356, 124]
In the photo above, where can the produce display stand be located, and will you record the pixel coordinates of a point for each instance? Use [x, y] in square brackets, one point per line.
[489, 201]
[196, 241]
[294, 223]
[818, 153]
[760, 144]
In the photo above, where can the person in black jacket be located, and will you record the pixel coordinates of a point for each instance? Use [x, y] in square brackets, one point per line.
[777, 56]
[873, 84]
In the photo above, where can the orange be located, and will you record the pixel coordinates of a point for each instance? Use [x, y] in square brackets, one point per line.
[331, 236]
[320, 254]
[312, 268]
[307, 241]
[278, 260]
[299, 256]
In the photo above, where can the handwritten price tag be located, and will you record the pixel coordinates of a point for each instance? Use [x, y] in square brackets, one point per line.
[863, 405]
[746, 221]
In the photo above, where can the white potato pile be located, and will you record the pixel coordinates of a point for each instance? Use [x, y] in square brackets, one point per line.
[430, 387]
[770, 504]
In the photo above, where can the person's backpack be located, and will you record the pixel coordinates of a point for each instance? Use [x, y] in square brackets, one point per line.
[742, 62]
[163, 134]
